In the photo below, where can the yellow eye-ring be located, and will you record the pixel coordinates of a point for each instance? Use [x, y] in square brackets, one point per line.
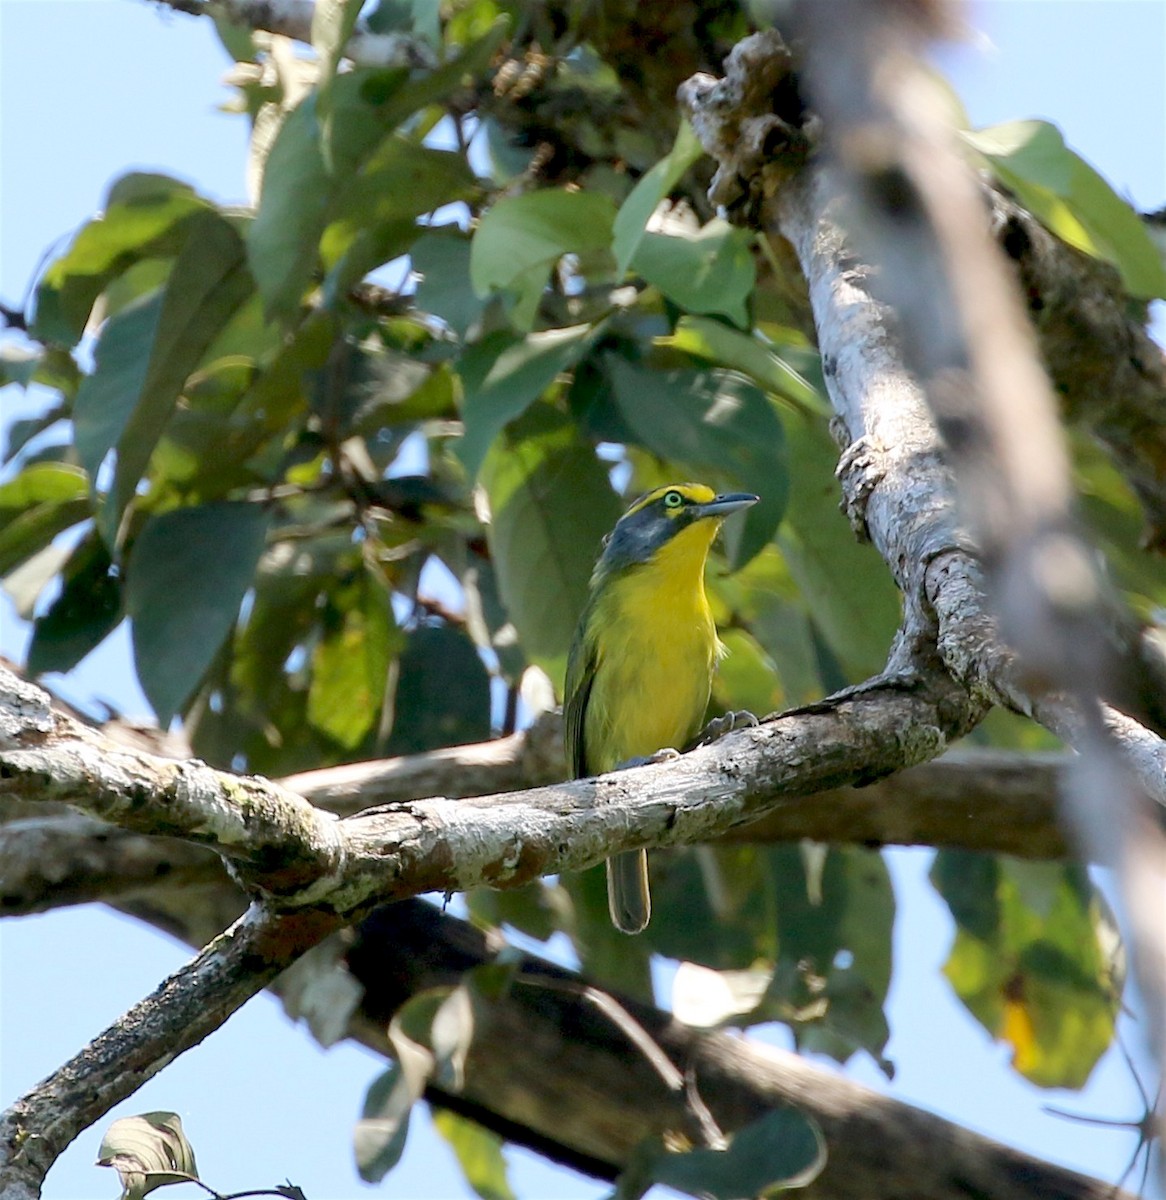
[673, 499]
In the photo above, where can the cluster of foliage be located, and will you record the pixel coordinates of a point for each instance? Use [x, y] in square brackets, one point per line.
[344, 461]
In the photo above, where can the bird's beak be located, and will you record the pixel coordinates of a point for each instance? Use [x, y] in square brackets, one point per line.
[721, 506]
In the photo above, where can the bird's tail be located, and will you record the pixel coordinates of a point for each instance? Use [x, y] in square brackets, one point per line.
[629, 899]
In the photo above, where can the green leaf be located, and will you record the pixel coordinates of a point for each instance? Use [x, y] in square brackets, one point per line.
[479, 1152]
[709, 270]
[503, 375]
[781, 1150]
[302, 185]
[350, 665]
[1035, 960]
[87, 610]
[654, 186]
[1069, 197]
[145, 217]
[522, 237]
[443, 692]
[379, 1136]
[551, 505]
[721, 344]
[711, 421]
[45, 499]
[207, 285]
[441, 257]
[745, 677]
[148, 1152]
[844, 584]
[188, 572]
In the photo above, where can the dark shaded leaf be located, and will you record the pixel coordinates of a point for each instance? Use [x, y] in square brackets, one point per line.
[87, 610]
[443, 692]
[551, 505]
[188, 572]
[711, 421]
[441, 256]
[379, 1136]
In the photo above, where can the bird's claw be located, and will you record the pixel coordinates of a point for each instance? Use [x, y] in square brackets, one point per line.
[729, 723]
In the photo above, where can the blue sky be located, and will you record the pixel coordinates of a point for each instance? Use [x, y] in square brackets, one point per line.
[91, 88]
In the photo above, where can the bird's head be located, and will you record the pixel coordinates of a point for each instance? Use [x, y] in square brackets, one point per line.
[690, 512]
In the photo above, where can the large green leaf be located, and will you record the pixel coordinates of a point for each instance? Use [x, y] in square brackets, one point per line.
[188, 572]
[502, 375]
[441, 256]
[145, 217]
[522, 237]
[712, 421]
[45, 499]
[1066, 194]
[207, 285]
[1034, 960]
[551, 504]
[707, 270]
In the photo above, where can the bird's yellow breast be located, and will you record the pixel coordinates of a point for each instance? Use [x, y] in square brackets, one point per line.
[656, 650]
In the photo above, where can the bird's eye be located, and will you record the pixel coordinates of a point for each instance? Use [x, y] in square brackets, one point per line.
[673, 499]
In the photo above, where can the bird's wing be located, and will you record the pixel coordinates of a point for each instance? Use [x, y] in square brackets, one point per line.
[580, 676]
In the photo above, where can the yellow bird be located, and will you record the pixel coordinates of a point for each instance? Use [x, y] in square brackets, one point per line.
[641, 665]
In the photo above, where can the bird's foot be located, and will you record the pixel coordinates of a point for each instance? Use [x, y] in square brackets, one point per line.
[729, 723]
[667, 754]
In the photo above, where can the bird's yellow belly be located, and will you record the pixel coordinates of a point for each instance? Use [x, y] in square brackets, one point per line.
[652, 680]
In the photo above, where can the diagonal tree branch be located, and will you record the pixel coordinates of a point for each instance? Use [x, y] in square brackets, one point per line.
[192, 1003]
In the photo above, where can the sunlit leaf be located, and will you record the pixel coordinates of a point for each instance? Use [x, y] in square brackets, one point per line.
[1035, 960]
[479, 1152]
[148, 1151]
[721, 344]
[521, 237]
[1068, 196]
[653, 186]
[144, 216]
[350, 664]
[40, 502]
